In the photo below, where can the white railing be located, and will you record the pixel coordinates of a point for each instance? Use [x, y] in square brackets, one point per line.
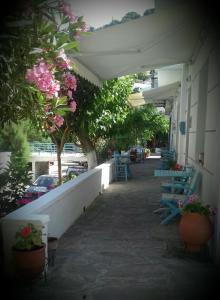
[57, 210]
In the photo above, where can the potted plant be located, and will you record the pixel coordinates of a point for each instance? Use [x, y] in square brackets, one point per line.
[29, 252]
[147, 152]
[195, 226]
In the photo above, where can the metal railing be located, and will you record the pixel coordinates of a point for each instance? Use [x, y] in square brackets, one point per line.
[51, 148]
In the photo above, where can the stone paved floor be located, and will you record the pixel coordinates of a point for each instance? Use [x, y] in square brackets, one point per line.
[118, 250]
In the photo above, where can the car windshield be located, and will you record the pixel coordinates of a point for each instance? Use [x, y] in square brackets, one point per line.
[45, 181]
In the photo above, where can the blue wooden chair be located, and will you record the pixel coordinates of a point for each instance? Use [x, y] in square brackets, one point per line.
[122, 170]
[179, 183]
[170, 200]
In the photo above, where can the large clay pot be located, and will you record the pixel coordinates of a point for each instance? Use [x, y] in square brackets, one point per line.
[29, 264]
[195, 230]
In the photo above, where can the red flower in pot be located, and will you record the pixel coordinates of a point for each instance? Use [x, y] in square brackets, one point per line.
[29, 252]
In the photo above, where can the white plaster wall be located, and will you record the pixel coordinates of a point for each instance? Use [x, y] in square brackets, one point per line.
[183, 110]
[169, 75]
[210, 191]
[193, 117]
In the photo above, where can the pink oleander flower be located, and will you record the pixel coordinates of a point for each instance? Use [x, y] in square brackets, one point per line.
[70, 81]
[72, 105]
[63, 61]
[70, 94]
[44, 80]
[53, 89]
[58, 120]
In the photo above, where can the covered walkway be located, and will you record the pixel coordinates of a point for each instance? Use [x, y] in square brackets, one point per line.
[118, 250]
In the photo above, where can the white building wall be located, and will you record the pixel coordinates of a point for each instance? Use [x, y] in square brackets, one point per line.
[204, 125]
[168, 75]
[183, 113]
[174, 124]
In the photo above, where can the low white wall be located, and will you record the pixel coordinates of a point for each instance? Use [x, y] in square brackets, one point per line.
[57, 210]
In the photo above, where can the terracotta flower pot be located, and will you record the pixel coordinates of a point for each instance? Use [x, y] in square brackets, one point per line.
[195, 230]
[29, 264]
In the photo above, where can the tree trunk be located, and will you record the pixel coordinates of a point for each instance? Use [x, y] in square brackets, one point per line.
[59, 164]
[59, 145]
[88, 149]
[92, 159]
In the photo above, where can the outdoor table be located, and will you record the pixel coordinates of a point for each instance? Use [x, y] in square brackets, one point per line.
[172, 173]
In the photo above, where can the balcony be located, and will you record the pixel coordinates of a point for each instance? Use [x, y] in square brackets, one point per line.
[117, 248]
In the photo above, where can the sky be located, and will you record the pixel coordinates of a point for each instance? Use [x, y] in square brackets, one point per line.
[100, 12]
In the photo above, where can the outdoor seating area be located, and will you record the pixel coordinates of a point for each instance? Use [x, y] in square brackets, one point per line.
[123, 160]
[181, 182]
[109, 151]
[180, 192]
[118, 250]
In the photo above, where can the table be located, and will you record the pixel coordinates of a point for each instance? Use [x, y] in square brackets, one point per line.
[172, 173]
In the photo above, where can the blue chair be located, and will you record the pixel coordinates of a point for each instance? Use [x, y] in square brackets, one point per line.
[170, 200]
[178, 183]
[122, 170]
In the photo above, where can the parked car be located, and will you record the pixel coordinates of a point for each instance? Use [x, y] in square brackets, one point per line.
[42, 185]
[76, 170]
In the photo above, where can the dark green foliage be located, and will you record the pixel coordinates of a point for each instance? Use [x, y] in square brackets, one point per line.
[13, 182]
[16, 176]
[132, 15]
[142, 76]
[141, 125]
[14, 137]
[149, 11]
[99, 110]
[198, 207]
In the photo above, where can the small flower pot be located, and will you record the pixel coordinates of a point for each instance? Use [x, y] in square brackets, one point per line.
[29, 264]
[195, 230]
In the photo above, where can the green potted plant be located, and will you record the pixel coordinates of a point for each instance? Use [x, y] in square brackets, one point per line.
[195, 226]
[147, 152]
[29, 252]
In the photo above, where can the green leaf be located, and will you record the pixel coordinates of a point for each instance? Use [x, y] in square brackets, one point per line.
[70, 45]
